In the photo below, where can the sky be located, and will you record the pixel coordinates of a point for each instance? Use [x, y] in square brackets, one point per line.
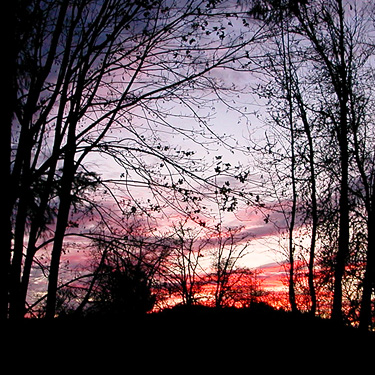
[224, 130]
[227, 124]
[233, 126]
[262, 252]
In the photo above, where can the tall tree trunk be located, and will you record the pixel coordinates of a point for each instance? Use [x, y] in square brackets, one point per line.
[39, 220]
[314, 205]
[23, 198]
[69, 170]
[342, 135]
[369, 279]
[292, 294]
[288, 86]
[6, 213]
[22, 177]
[9, 106]
[343, 245]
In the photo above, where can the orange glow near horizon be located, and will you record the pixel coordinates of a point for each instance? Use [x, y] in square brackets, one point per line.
[261, 285]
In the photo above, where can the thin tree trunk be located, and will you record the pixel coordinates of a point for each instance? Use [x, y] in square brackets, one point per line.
[313, 243]
[62, 220]
[38, 220]
[23, 204]
[342, 134]
[314, 206]
[288, 85]
[369, 279]
[292, 294]
[9, 101]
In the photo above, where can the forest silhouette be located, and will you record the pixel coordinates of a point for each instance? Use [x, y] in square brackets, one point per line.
[128, 213]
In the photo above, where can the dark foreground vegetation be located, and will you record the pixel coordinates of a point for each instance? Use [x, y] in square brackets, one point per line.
[198, 338]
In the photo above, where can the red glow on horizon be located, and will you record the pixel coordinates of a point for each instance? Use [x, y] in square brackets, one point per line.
[259, 285]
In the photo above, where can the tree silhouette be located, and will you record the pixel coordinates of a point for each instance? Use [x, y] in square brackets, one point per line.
[89, 76]
[184, 273]
[120, 292]
[229, 246]
[102, 86]
[328, 58]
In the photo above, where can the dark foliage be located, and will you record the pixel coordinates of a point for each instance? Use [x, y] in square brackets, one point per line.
[122, 293]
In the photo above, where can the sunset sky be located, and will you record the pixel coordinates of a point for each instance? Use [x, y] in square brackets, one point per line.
[214, 152]
[235, 129]
[232, 130]
[219, 129]
[263, 252]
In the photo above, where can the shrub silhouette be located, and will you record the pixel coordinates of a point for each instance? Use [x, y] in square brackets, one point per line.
[121, 292]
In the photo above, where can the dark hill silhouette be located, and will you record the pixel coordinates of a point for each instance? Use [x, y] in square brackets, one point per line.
[263, 323]
[226, 338]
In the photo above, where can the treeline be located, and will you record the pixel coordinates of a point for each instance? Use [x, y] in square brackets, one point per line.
[133, 84]
[318, 150]
[139, 270]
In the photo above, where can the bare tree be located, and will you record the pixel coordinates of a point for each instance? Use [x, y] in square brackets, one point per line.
[332, 43]
[330, 54]
[362, 189]
[88, 71]
[184, 273]
[278, 153]
[229, 246]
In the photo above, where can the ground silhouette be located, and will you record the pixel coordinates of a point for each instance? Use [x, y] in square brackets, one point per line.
[220, 340]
